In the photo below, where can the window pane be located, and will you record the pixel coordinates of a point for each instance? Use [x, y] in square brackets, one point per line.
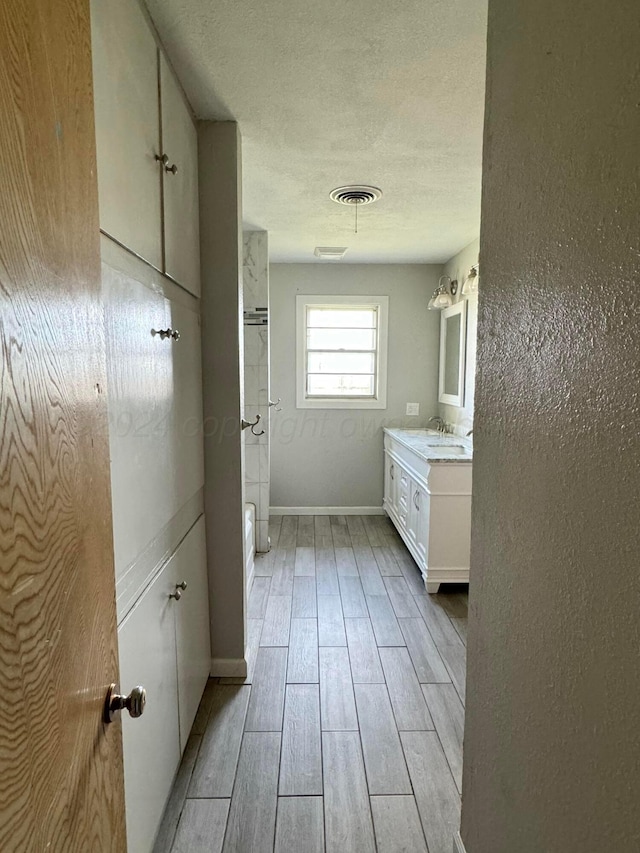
[341, 362]
[344, 385]
[359, 318]
[336, 339]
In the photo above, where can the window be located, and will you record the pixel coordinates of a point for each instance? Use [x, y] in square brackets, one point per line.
[342, 352]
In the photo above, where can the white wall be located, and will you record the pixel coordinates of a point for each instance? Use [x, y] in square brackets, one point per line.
[461, 418]
[329, 457]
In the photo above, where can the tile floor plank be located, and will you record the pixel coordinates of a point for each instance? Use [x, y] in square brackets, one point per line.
[322, 530]
[288, 532]
[448, 716]
[397, 825]
[372, 529]
[252, 817]
[326, 573]
[304, 605]
[305, 561]
[204, 708]
[461, 627]
[302, 666]
[258, 598]
[202, 825]
[175, 804]
[363, 652]
[263, 565]
[428, 664]
[215, 768]
[402, 601]
[337, 703]
[437, 621]
[354, 605]
[300, 825]
[370, 576]
[436, 795]
[348, 823]
[306, 535]
[340, 532]
[346, 563]
[330, 621]
[275, 525]
[283, 571]
[266, 704]
[455, 602]
[356, 530]
[384, 622]
[277, 618]
[407, 700]
[387, 563]
[454, 656]
[301, 760]
[383, 756]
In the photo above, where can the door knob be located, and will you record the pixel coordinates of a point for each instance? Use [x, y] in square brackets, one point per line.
[116, 702]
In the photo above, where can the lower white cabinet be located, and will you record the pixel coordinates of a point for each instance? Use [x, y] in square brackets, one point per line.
[429, 502]
[164, 646]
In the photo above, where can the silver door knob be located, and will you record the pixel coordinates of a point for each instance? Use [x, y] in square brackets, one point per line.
[115, 702]
[182, 585]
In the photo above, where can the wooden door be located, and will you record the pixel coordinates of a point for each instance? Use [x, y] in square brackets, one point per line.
[181, 213]
[125, 67]
[61, 784]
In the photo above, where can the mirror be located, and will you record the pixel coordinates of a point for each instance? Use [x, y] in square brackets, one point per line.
[452, 350]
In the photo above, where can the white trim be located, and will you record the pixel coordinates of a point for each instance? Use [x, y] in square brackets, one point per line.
[458, 846]
[228, 668]
[453, 399]
[326, 510]
[380, 400]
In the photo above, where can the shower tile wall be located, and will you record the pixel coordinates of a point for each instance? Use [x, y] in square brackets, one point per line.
[255, 271]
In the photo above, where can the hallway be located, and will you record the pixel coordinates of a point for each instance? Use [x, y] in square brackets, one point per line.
[347, 733]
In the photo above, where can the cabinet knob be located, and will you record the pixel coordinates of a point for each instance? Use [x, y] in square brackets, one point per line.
[177, 594]
[172, 168]
[182, 585]
[162, 158]
[166, 333]
[115, 702]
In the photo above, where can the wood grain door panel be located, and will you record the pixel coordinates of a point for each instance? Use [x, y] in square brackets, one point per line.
[60, 767]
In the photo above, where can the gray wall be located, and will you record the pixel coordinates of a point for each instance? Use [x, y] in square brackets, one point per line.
[220, 187]
[552, 738]
[334, 457]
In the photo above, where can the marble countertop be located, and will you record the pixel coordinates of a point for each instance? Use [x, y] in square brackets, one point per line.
[432, 446]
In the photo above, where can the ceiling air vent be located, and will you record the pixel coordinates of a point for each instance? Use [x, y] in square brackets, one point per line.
[331, 253]
[355, 194]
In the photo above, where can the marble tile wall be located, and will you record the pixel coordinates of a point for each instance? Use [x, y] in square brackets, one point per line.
[255, 272]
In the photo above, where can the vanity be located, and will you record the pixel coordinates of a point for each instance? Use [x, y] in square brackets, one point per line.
[427, 495]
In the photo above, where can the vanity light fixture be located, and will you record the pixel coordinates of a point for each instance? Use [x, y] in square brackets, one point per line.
[442, 294]
[470, 284]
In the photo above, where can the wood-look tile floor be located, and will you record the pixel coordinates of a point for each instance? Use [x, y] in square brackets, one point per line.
[346, 735]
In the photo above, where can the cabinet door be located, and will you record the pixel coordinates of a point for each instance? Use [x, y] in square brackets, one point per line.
[181, 213]
[183, 456]
[390, 481]
[151, 744]
[421, 524]
[192, 626]
[141, 388]
[125, 81]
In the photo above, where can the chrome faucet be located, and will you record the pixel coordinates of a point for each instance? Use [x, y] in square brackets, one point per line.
[469, 433]
[440, 424]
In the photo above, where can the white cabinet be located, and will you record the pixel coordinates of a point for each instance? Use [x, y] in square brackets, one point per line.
[429, 502]
[164, 645]
[181, 214]
[125, 84]
[147, 147]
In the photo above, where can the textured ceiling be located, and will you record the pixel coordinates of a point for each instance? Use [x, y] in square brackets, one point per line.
[333, 92]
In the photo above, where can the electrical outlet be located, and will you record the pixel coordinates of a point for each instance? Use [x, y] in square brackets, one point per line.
[413, 408]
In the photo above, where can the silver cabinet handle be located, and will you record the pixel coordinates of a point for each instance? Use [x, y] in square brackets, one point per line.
[172, 168]
[416, 495]
[182, 585]
[166, 333]
[164, 159]
[115, 702]
[177, 594]
[391, 470]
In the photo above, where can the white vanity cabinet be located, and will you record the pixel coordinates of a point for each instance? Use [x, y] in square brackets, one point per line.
[427, 495]
[164, 646]
[147, 147]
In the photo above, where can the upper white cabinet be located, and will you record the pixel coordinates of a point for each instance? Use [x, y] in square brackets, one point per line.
[125, 83]
[147, 145]
[181, 215]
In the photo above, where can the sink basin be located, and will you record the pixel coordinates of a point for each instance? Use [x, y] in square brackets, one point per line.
[453, 449]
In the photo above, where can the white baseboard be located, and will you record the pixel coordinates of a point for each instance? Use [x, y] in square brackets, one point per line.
[228, 668]
[458, 846]
[326, 510]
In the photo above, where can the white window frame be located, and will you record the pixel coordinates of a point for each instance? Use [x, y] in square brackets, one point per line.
[379, 401]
